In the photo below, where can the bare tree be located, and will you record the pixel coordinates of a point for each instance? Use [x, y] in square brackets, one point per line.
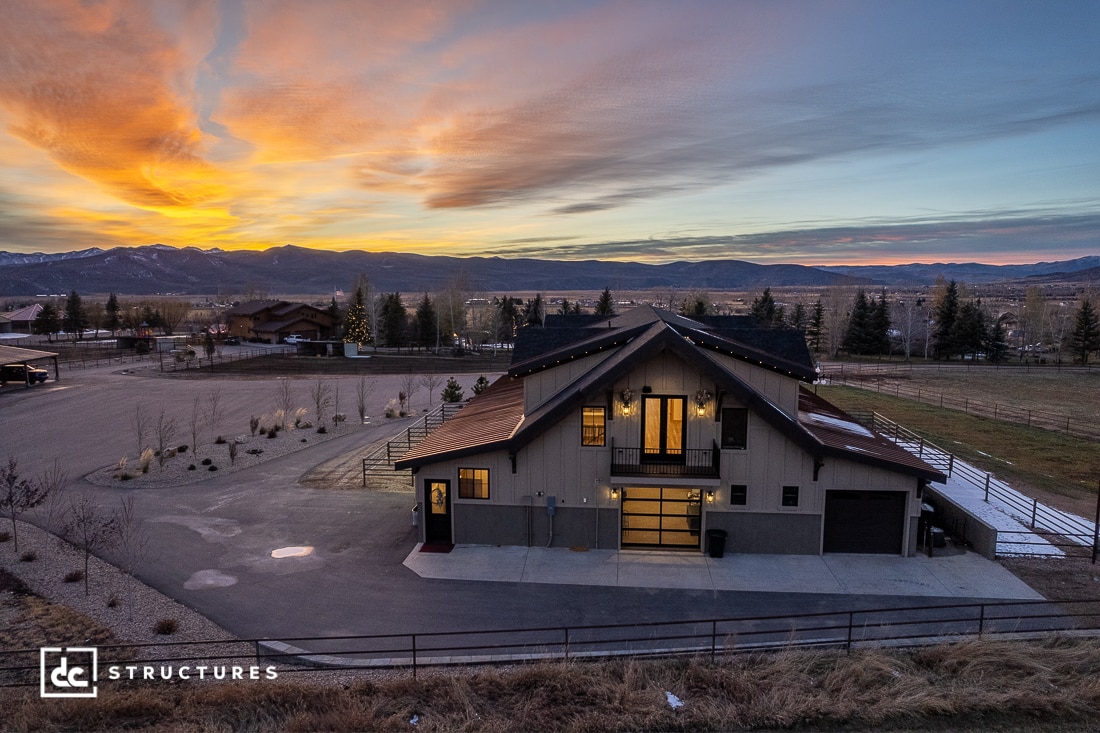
[363, 391]
[213, 410]
[322, 399]
[196, 423]
[284, 401]
[172, 313]
[90, 528]
[335, 400]
[133, 548]
[53, 481]
[430, 381]
[17, 495]
[139, 421]
[163, 431]
[409, 384]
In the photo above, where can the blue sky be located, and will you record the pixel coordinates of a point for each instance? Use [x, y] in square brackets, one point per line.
[811, 132]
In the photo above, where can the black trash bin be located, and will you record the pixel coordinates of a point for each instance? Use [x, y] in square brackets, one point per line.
[716, 542]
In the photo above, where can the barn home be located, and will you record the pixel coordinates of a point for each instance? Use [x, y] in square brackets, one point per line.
[647, 429]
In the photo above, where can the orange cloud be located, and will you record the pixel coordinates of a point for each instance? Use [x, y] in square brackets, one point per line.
[105, 91]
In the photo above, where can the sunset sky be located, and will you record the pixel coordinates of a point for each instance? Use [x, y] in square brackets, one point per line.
[773, 131]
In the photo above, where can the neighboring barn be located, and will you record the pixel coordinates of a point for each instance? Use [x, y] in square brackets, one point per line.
[647, 429]
[274, 320]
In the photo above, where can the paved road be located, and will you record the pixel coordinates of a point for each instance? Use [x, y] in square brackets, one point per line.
[213, 540]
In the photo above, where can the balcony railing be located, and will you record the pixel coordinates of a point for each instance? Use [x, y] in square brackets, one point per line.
[704, 462]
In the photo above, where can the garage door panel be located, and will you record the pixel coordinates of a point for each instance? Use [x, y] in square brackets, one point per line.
[864, 521]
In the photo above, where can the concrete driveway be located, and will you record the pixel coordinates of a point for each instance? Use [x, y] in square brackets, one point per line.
[213, 540]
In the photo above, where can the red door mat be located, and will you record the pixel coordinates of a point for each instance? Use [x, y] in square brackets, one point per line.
[436, 547]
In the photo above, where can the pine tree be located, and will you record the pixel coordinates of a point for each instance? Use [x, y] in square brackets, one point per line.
[1086, 333]
[815, 329]
[112, 321]
[798, 318]
[879, 333]
[334, 311]
[480, 385]
[394, 320]
[356, 329]
[452, 392]
[427, 331]
[765, 311]
[509, 318]
[75, 319]
[533, 311]
[970, 333]
[605, 306]
[996, 348]
[48, 321]
[947, 312]
[859, 338]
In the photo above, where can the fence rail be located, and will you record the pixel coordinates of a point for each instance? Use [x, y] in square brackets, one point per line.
[845, 629]
[1064, 531]
[381, 459]
[1051, 421]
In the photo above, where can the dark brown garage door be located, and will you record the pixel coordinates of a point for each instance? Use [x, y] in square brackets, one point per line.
[865, 521]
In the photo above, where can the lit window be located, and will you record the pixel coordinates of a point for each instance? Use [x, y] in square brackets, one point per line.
[739, 495]
[473, 483]
[790, 496]
[735, 427]
[593, 426]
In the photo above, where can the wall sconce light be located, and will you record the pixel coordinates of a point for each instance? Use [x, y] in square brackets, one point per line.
[614, 494]
[702, 399]
[710, 496]
[626, 401]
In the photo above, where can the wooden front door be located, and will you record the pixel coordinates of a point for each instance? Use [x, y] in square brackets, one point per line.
[437, 512]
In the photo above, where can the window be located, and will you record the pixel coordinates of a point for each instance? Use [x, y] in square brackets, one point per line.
[739, 495]
[593, 425]
[735, 427]
[790, 496]
[473, 483]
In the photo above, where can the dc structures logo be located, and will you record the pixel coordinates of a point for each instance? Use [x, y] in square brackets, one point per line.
[68, 672]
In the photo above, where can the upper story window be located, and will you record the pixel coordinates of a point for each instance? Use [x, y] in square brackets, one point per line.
[735, 427]
[790, 496]
[594, 426]
[473, 483]
[739, 495]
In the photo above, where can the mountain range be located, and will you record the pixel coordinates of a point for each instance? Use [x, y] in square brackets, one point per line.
[161, 269]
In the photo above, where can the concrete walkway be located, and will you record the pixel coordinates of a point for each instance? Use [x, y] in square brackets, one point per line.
[958, 575]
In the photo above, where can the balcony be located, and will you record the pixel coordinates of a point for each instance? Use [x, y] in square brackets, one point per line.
[691, 462]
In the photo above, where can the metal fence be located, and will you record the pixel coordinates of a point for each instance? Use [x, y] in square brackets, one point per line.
[846, 629]
[879, 381]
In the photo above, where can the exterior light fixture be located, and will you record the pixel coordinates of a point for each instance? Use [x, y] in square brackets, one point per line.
[626, 401]
[614, 494]
[710, 496]
[702, 399]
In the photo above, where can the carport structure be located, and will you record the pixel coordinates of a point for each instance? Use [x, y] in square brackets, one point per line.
[17, 355]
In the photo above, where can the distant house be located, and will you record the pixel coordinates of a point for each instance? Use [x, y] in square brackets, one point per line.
[22, 320]
[647, 429]
[274, 320]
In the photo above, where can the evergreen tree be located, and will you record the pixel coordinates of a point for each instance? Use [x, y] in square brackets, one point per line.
[48, 321]
[452, 392]
[509, 318]
[1086, 333]
[75, 319]
[765, 311]
[947, 312]
[395, 321]
[533, 311]
[970, 333]
[996, 348]
[605, 306]
[112, 322]
[427, 331]
[356, 328]
[815, 329]
[798, 318]
[334, 311]
[697, 303]
[860, 337]
[480, 385]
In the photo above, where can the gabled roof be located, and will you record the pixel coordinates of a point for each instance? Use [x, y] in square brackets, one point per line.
[252, 307]
[782, 350]
[29, 313]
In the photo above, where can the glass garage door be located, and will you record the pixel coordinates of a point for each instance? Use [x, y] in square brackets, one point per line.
[661, 517]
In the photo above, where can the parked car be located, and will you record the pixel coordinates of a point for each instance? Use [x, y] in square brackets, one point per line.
[295, 339]
[22, 373]
[233, 341]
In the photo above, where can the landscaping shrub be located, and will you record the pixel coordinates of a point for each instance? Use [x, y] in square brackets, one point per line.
[322, 429]
[253, 424]
[191, 467]
[5, 536]
[272, 433]
[74, 576]
[220, 441]
[182, 448]
[28, 556]
[112, 602]
[166, 627]
[212, 468]
[207, 461]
